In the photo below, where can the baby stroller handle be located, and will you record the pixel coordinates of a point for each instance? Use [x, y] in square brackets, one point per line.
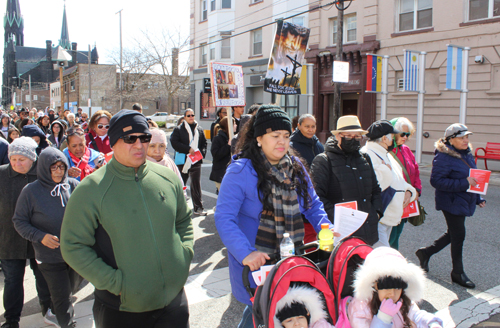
[246, 272]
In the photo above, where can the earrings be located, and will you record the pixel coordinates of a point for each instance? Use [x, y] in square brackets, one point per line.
[259, 145]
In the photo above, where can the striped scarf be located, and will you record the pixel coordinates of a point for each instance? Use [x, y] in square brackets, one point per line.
[286, 216]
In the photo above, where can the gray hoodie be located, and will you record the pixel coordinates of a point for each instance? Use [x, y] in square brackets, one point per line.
[40, 207]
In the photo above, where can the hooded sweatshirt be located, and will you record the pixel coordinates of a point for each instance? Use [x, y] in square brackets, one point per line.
[58, 140]
[35, 131]
[41, 205]
[5, 129]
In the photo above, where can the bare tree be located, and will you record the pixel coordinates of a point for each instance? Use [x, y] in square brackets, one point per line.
[152, 70]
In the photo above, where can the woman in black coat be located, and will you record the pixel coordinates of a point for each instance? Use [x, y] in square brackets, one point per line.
[186, 139]
[304, 140]
[221, 153]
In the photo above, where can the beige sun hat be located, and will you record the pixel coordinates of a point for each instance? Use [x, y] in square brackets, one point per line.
[349, 123]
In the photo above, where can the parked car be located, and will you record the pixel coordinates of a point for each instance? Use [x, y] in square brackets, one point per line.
[159, 117]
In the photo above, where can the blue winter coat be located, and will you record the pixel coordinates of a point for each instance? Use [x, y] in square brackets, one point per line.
[237, 218]
[449, 177]
[307, 148]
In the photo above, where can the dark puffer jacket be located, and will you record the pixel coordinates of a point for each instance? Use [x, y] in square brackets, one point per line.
[307, 148]
[12, 245]
[449, 177]
[344, 178]
[221, 154]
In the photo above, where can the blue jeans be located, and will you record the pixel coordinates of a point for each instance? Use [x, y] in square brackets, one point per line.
[13, 291]
[246, 320]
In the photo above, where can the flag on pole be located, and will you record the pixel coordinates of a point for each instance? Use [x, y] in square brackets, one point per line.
[374, 73]
[410, 72]
[454, 68]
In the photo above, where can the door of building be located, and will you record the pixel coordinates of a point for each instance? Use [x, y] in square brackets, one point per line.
[349, 107]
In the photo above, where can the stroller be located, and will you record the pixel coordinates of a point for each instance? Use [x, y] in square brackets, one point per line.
[347, 256]
[292, 271]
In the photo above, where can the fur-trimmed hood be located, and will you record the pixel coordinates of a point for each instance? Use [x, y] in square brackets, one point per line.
[309, 296]
[444, 148]
[385, 261]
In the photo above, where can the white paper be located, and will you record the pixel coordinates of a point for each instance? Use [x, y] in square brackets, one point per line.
[260, 275]
[340, 71]
[347, 221]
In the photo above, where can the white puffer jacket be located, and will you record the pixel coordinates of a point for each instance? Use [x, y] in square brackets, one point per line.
[392, 177]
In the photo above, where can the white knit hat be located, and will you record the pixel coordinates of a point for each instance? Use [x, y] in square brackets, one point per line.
[24, 146]
[388, 262]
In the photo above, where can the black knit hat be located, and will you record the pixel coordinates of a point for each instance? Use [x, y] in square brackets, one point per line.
[379, 129]
[270, 118]
[293, 310]
[126, 122]
[389, 282]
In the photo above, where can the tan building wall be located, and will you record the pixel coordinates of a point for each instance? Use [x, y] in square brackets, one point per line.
[450, 25]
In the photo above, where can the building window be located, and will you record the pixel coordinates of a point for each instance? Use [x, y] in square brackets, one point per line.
[225, 47]
[256, 1]
[212, 48]
[298, 20]
[257, 42]
[212, 5]
[290, 104]
[204, 10]
[414, 14]
[350, 29]
[479, 9]
[226, 4]
[203, 54]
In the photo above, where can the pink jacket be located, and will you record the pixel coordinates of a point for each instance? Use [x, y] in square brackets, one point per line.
[322, 323]
[407, 158]
[360, 316]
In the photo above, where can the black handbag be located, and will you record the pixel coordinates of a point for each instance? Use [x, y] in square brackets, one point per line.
[413, 220]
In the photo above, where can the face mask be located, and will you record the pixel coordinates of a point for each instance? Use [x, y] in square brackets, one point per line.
[350, 146]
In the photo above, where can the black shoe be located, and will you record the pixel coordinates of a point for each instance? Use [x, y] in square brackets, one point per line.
[11, 324]
[462, 280]
[423, 258]
[200, 212]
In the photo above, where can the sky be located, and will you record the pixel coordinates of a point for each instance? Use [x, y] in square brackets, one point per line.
[96, 22]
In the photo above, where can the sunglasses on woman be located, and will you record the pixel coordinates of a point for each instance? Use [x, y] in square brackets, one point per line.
[130, 139]
[191, 115]
[405, 134]
[102, 126]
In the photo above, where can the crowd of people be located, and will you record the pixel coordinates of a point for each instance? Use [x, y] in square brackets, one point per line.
[132, 237]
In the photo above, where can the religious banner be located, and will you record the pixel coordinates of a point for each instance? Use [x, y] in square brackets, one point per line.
[285, 62]
[228, 88]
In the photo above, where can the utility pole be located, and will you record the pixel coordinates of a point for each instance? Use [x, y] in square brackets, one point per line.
[30, 92]
[338, 56]
[62, 87]
[89, 59]
[121, 60]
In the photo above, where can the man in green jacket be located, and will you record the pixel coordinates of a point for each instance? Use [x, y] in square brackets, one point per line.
[127, 229]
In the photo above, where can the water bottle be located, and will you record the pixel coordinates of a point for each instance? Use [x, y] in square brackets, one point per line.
[287, 248]
[325, 237]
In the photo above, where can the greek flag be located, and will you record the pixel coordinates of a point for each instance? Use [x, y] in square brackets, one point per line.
[454, 68]
[410, 72]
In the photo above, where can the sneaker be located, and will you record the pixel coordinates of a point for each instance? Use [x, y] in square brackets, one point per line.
[200, 212]
[51, 319]
[11, 324]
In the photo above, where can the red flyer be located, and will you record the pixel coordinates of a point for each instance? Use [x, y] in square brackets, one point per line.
[411, 210]
[196, 156]
[483, 179]
[352, 205]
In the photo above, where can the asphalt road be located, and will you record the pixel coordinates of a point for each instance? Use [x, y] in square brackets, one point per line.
[481, 258]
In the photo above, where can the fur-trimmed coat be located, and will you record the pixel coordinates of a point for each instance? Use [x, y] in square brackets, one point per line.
[449, 177]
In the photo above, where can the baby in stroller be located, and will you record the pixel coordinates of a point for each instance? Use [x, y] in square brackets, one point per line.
[301, 307]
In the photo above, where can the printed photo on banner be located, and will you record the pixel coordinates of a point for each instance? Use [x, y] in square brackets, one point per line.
[287, 56]
[227, 85]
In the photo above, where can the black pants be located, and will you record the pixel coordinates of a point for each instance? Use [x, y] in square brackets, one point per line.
[455, 235]
[13, 291]
[195, 174]
[59, 277]
[174, 315]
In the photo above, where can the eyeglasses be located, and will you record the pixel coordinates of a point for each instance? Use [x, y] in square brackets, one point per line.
[102, 126]
[352, 137]
[405, 134]
[78, 132]
[190, 115]
[145, 138]
[61, 167]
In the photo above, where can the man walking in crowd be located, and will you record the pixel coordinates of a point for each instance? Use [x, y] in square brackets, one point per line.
[23, 113]
[221, 113]
[237, 113]
[137, 107]
[342, 174]
[14, 249]
[132, 237]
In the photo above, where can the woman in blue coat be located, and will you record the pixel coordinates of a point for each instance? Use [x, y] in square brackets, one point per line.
[262, 196]
[450, 176]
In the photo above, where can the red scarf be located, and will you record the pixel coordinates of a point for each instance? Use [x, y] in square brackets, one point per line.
[83, 163]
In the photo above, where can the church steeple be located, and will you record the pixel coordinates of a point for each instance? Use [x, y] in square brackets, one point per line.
[13, 24]
[64, 41]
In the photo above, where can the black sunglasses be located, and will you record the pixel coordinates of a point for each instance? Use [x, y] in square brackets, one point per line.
[192, 115]
[405, 134]
[145, 138]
